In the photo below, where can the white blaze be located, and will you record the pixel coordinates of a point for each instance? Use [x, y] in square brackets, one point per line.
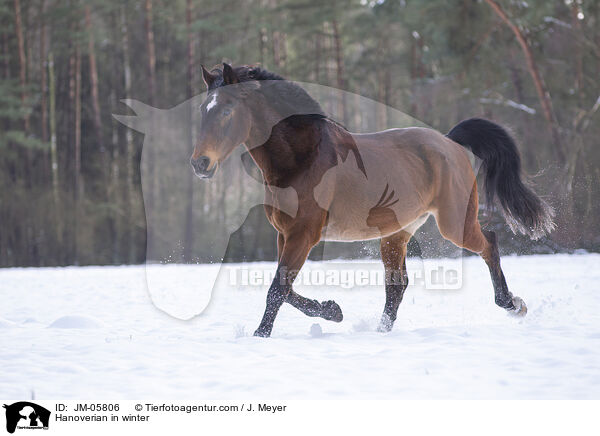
[212, 103]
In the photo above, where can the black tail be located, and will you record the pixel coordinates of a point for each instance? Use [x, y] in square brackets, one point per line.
[523, 210]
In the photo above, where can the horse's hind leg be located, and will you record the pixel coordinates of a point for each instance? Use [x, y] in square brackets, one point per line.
[503, 297]
[393, 254]
[466, 233]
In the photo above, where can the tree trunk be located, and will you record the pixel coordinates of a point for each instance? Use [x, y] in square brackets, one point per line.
[78, 189]
[283, 53]
[93, 76]
[5, 58]
[529, 153]
[381, 122]
[188, 238]
[262, 38]
[540, 87]
[129, 147]
[413, 78]
[53, 148]
[339, 61]
[77, 114]
[575, 10]
[279, 51]
[340, 75]
[151, 52]
[46, 161]
[150, 184]
[43, 78]
[317, 56]
[189, 11]
[114, 193]
[383, 85]
[22, 63]
[275, 49]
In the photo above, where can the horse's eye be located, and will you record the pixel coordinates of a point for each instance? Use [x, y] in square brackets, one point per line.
[226, 112]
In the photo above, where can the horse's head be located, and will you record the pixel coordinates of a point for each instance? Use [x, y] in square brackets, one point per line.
[225, 119]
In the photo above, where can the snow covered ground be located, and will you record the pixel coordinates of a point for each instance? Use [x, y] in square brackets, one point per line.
[94, 333]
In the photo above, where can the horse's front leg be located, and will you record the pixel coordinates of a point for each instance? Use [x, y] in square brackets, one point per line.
[275, 298]
[294, 249]
[328, 310]
[293, 252]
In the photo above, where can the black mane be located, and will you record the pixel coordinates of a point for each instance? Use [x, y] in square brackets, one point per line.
[286, 97]
[246, 73]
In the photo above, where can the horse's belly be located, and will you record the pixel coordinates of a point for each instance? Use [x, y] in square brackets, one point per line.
[341, 233]
[348, 227]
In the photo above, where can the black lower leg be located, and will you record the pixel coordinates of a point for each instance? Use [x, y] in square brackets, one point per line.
[393, 298]
[394, 292]
[502, 295]
[275, 298]
[328, 310]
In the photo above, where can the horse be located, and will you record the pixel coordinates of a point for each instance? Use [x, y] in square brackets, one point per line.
[353, 187]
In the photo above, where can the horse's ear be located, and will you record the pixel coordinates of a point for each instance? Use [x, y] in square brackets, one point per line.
[208, 77]
[229, 76]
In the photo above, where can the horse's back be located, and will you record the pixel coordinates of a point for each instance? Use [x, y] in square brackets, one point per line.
[411, 138]
[417, 148]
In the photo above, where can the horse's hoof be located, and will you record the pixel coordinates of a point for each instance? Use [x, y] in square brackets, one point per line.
[520, 307]
[331, 311]
[262, 333]
[386, 324]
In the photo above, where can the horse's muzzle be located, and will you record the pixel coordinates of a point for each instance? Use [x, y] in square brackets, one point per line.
[201, 165]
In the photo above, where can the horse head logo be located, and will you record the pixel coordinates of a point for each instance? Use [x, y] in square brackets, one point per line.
[26, 414]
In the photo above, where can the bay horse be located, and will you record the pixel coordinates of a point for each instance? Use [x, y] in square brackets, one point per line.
[354, 187]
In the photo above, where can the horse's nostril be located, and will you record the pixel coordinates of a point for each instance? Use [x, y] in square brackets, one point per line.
[200, 164]
[204, 162]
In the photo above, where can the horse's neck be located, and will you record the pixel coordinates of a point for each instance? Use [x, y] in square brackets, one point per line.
[291, 147]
